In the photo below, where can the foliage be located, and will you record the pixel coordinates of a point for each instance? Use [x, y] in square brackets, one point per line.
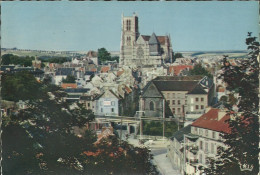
[41, 139]
[199, 70]
[16, 60]
[104, 55]
[58, 60]
[112, 157]
[69, 79]
[20, 86]
[178, 55]
[156, 128]
[242, 142]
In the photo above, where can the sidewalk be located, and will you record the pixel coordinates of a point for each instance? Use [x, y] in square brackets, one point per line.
[164, 165]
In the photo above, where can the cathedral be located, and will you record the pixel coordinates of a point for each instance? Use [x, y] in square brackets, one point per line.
[142, 50]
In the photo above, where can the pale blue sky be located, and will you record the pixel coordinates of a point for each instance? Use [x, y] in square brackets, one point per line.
[83, 26]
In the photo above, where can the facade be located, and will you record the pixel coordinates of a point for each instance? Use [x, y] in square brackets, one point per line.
[175, 149]
[107, 104]
[183, 96]
[191, 146]
[142, 50]
[207, 130]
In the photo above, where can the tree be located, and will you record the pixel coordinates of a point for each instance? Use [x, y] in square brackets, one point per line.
[69, 79]
[20, 86]
[178, 55]
[242, 143]
[103, 55]
[112, 156]
[41, 140]
[199, 70]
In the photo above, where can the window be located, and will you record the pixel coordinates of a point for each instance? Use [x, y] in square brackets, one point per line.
[173, 95]
[112, 109]
[201, 145]
[201, 99]
[168, 101]
[113, 103]
[197, 106]
[202, 107]
[206, 133]
[168, 95]
[173, 102]
[128, 40]
[212, 148]
[213, 134]
[173, 110]
[151, 106]
[206, 147]
[179, 102]
[200, 159]
[179, 110]
[200, 130]
[197, 99]
[88, 104]
[101, 109]
[128, 25]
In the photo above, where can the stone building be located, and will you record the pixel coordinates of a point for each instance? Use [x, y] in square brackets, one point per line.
[142, 50]
[184, 96]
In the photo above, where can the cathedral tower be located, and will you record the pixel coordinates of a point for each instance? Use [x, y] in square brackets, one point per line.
[129, 35]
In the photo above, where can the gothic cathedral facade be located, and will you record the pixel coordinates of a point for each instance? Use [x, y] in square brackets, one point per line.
[142, 50]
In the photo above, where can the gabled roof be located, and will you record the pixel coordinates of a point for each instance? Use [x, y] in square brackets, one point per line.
[161, 39]
[210, 121]
[77, 90]
[198, 89]
[68, 85]
[175, 85]
[104, 69]
[179, 135]
[153, 39]
[177, 69]
[118, 97]
[65, 71]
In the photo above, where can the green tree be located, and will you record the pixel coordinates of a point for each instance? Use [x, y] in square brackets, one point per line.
[178, 55]
[242, 142]
[111, 156]
[156, 128]
[42, 137]
[20, 86]
[199, 70]
[103, 55]
[69, 79]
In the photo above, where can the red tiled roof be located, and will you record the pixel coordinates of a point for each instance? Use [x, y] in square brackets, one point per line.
[177, 69]
[210, 121]
[119, 73]
[104, 69]
[68, 85]
[93, 70]
[128, 90]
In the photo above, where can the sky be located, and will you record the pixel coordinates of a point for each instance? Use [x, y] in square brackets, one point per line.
[83, 26]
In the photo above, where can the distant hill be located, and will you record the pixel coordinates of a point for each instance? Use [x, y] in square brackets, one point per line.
[231, 53]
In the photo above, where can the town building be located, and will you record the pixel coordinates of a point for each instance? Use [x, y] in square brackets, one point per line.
[142, 50]
[183, 96]
[107, 104]
[201, 143]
